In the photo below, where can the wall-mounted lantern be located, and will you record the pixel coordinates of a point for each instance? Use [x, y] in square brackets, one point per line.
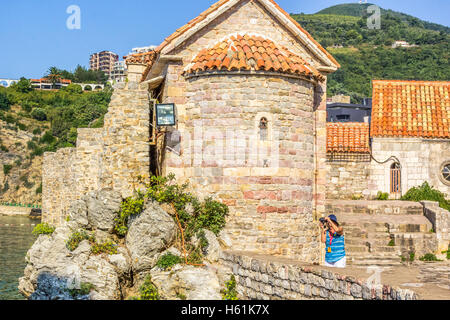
[165, 115]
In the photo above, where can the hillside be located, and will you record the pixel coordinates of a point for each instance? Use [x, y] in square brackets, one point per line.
[360, 10]
[368, 54]
[33, 122]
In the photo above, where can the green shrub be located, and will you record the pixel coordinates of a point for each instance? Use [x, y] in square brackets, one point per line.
[230, 292]
[382, 196]
[391, 243]
[429, 257]
[43, 228]
[85, 289]
[130, 207]
[39, 189]
[77, 237]
[426, 192]
[7, 169]
[3, 148]
[167, 261]
[39, 114]
[5, 103]
[148, 290]
[108, 247]
[37, 131]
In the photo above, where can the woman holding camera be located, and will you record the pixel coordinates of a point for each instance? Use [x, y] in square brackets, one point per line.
[333, 236]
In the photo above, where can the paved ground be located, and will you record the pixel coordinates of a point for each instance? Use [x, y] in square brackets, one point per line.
[431, 280]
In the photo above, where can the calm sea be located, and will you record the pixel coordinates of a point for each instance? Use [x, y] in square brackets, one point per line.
[15, 240]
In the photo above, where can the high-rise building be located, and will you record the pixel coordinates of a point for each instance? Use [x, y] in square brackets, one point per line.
[103, 61]
[119, 72]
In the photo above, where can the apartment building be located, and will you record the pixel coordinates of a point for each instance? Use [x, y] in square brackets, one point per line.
[103, 61]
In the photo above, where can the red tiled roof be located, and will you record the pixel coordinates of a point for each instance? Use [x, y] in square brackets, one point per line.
[348, 137]
[249, 52]
[411, 109]
[216, 6]
[141, 58]
[46, 80]
[210, 10]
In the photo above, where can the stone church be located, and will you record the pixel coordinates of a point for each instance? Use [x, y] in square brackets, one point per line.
[248, 84]
[406, 144]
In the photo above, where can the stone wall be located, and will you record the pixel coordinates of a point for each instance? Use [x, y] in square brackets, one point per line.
[268, 185]
[268, 278]
[59, 187]
[440, 218]
[374, 207]
[421, 161]
[110, 157]
[346, 180]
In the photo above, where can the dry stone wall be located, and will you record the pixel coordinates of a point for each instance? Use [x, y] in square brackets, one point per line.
[268, 278]
[110, 157]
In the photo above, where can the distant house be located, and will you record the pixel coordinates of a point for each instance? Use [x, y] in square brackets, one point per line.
[403, 44]
[349, 112]
[47, 84]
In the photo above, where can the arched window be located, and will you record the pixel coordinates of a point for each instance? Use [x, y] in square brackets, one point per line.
[263, 129]
[396, 178]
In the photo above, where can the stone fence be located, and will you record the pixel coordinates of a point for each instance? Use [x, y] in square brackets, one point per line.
[274, 278]
[440, 218]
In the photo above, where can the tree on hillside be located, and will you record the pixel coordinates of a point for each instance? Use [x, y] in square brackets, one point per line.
[23, 86]
[4, 101]
[54, 75]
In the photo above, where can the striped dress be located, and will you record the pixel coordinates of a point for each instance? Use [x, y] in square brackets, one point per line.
[337, 248]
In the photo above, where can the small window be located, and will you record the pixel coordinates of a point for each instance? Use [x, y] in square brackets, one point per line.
[263, 129]
[395, 178]
[343, 117]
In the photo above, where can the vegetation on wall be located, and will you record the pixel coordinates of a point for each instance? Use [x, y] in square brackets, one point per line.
[191, 214]
[426, 192]
[43, 228]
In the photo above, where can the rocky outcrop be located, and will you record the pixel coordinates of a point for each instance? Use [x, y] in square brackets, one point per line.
[149, 233]
[188, 282]
[55, 273]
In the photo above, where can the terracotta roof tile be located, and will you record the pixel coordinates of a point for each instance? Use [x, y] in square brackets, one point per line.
[411, 109]
[205, 14]
[348, 137]
[281, 60]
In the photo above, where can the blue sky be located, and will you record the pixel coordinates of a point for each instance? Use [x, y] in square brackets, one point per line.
[34, 36]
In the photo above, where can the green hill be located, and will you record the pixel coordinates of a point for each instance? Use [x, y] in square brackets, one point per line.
[368, 54]
[360, 10]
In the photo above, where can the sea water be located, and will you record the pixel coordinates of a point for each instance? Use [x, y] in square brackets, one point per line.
[15, 239]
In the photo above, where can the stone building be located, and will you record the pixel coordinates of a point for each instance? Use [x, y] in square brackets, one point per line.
[249, 87]
[409, 143]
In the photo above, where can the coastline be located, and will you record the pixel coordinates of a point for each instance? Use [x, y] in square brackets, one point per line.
[14, 211]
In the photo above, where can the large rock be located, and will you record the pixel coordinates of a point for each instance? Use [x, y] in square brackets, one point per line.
[192, 282]
[149, 233]
[212, 251]
[53, 270]
[103, 207]
[78, 213]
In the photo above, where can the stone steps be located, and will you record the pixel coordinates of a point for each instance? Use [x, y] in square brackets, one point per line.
[367, 237]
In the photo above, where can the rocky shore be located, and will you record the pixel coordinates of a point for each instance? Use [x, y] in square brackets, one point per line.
[54, 272]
